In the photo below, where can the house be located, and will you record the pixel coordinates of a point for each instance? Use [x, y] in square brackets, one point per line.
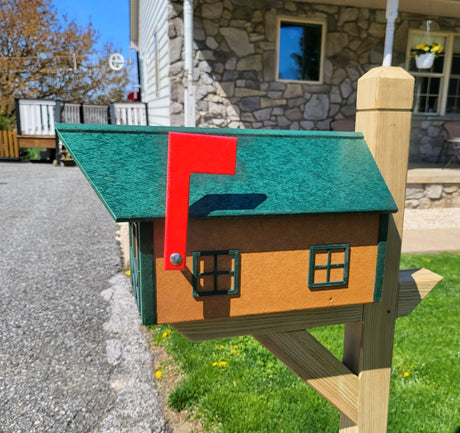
[299, 223]
[293, 65]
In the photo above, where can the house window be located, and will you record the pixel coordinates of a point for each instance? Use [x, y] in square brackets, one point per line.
[328, 265]
[215, 273]
[300, 50]
[437, 90]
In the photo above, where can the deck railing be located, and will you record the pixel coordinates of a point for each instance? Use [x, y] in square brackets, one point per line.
[128, 113]
[37, 117]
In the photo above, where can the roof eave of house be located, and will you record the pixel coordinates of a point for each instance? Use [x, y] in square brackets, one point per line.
[134, 24]
[442, 8]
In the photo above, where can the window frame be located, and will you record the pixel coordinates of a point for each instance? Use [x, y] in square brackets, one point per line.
[312, 266]
[234, 272]
[444, 76]
[294, 20]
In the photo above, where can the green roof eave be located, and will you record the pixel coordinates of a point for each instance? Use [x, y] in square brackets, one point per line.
[277, 172]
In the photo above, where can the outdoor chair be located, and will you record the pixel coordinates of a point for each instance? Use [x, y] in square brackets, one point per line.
[451, 140]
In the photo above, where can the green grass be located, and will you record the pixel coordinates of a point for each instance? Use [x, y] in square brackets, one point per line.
[254, 392]
[31, 153]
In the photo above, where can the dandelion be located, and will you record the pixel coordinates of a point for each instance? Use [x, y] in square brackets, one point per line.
[406, 374]
[128, 272]
[427, 260]
[221, 346]
[166, 333]
[220, 364]
[158, 374]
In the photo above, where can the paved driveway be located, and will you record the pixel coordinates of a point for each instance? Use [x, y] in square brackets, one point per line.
[73, 356]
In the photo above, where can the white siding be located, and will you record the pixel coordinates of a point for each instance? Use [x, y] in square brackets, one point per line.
[153, 19]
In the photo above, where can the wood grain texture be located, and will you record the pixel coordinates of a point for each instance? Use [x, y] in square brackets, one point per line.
[48, 142]
[268, 323]
[384, 104]
[310, 360]
[414, 285]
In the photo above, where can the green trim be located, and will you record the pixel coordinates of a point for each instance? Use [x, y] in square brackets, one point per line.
[381, 253]
[215, 273]
[313, 267]
[143, 270]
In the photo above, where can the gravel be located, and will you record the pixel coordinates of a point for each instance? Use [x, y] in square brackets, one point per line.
[73, 356]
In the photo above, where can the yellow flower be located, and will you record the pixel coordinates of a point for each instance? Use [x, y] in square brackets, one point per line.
[128, 272]
[158, 374]
[222, 346]
[220, 364]
[166, 333]
[406, 374]
[427, 260]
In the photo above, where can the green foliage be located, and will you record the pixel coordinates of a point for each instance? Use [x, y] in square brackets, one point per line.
[235, 385]
[44, 55]
[7, 123]
[30, 153]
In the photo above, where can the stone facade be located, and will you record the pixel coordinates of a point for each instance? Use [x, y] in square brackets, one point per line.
[235, 66]
[423, 196]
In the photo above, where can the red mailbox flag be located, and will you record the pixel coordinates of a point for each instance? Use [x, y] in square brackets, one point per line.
[187, 154]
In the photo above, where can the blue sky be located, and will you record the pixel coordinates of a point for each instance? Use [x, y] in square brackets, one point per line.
[110, 19]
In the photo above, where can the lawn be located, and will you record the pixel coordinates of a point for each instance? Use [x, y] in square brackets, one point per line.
[236, 386]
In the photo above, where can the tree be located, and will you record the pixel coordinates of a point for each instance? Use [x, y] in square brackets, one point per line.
[44, 57]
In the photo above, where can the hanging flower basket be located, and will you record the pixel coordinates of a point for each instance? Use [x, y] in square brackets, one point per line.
[424, 61]
[425, 54]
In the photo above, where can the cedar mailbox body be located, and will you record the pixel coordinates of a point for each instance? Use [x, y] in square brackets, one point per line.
[301, 224]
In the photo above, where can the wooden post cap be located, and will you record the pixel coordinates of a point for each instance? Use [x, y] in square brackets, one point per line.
[385, 88]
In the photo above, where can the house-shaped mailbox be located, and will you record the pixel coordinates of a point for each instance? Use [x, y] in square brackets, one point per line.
[299, 223]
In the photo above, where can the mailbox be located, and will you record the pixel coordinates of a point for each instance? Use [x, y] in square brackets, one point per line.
[230, 223]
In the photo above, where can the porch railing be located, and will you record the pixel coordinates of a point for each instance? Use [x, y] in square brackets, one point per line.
[128, 113]
[37, 117]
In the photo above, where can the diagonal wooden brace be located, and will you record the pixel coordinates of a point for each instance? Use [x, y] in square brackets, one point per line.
[309, 359]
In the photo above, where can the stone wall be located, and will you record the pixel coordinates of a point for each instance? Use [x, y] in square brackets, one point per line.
[235, 66]
[423, 196]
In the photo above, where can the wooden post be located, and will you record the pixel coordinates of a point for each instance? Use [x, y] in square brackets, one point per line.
[384, 116]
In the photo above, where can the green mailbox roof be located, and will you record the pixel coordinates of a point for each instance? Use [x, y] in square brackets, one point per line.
[277, 172]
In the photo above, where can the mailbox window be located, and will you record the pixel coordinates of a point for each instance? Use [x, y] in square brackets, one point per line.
[328, 265]
[215, 273]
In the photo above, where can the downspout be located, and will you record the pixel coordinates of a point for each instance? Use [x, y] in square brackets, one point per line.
[189, 88]
[391, 15]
